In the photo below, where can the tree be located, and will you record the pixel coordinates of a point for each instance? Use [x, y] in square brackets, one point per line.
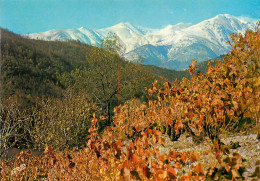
[109, 77]
[13, 125]
[112, 44]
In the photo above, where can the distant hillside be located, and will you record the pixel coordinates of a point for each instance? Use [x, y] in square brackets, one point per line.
[179, 74]
[33, 68]
[167, 73]
[36, 68]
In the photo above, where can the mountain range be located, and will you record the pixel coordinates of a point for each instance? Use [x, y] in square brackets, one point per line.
[173, 46]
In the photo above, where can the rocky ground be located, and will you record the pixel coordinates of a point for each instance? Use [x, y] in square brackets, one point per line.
[248, 146]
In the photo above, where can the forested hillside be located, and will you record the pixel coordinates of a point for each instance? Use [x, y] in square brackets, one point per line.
[34, 68]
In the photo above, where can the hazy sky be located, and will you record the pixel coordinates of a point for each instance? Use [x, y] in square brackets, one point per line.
[31, 16]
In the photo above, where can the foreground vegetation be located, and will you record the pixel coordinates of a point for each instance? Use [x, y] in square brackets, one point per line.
[223, 100]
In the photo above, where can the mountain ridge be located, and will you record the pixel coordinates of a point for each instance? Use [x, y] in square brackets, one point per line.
[173, 46]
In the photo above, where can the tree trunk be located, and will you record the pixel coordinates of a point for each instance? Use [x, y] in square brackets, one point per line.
[108, 113]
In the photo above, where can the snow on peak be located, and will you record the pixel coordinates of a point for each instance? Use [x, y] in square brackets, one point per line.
[224, 16]
[128, 34]
[179, 26]
[82, 28]
[170, 29]
[210, 35]
[216, 29]
[246, 19]
[123, 25]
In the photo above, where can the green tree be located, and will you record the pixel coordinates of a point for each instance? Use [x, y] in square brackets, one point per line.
[112, 44]
[110, 79]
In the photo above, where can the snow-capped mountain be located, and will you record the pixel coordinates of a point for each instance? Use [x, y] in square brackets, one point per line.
[128, 34]
[172, 47]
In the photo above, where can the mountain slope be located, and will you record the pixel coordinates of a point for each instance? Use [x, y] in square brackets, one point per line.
[202, 41]
[36, 68]
[172, 47]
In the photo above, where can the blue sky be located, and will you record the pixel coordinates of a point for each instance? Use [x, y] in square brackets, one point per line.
[31, 16]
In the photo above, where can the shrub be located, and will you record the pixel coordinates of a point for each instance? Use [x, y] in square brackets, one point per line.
[63, 122]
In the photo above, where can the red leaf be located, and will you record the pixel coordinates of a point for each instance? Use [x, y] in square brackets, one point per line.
[217, 152]
[171, 173]
[157, 132]
[48, 150]
[53, 161]
[146, 171]
[184, 157]
[161, 141]
[172, 154]
[176, 129]
[161, 175]
[120, 167]
[154, 138]
[137, 128]
[194, 61]
[194, 156]
[135, 158]
[163, 157]
[198, 169]
[178, 165]
[185, 178]
[148, 131]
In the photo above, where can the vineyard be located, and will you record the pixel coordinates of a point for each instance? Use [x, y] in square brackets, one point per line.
[223, 101]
